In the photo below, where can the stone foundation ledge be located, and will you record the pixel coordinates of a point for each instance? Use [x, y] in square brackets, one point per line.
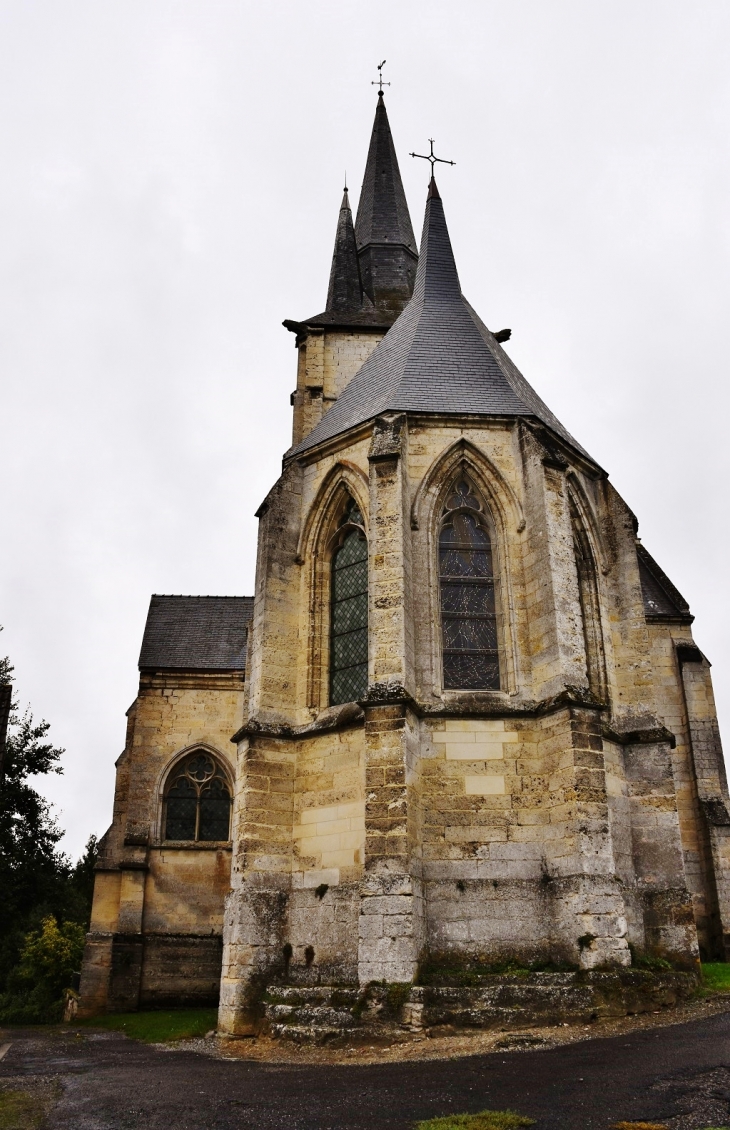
[514, 1000]
[327, 1014]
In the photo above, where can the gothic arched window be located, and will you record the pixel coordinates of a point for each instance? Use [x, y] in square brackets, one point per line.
[468, 612]
[349, 612]
[197, 800]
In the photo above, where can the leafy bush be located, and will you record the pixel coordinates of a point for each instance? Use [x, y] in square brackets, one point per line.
[48, 961]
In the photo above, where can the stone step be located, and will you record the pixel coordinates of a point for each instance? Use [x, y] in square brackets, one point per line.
[307, 1015]
[335, 995]
[307, 1033]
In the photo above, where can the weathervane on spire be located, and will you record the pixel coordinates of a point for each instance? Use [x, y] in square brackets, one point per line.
[379, 81]
[432, 157]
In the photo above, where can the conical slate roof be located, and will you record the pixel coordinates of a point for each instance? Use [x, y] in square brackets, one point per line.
[372, 288]
[382, 214]
[438, 357]
[345, 293]
[383, 228]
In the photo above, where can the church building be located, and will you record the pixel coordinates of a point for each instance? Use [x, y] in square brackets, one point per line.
[462, 720]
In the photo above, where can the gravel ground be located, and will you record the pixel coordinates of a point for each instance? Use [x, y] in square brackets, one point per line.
[672, 1068]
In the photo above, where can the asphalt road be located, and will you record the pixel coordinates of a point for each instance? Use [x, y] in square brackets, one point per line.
[678, 1075]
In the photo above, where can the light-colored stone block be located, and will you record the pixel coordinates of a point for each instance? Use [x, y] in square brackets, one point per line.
[478, 751]
[490, 784]
[303, 880]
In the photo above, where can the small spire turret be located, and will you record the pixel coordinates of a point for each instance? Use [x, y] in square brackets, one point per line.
[345, 293]
[385, 240]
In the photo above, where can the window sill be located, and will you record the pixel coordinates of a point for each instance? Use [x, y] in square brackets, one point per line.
[194, 845]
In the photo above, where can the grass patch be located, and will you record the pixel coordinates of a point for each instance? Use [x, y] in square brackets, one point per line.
[485, 1120]
[20, 1111]
[638, 1126]
[716, 975]
[157, 1027]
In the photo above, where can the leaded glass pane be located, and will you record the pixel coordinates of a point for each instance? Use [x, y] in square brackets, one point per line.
[347, 615]
[467, 600]
[471, 673]
[198, 803]
[215, 811]
[349, 633]
[182, 801]
[468, 614]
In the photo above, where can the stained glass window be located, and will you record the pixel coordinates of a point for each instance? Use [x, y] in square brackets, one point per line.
[349, 632]
[198, 801]
[468, 612]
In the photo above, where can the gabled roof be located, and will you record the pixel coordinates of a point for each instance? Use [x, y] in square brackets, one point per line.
[200, 633]
[438, 357]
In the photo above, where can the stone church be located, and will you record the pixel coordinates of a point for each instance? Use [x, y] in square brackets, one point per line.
[462, 719]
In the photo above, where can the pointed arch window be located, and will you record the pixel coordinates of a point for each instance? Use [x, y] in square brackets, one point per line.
[590, 608]
[468, 609]
[198, 800]
[349, 610]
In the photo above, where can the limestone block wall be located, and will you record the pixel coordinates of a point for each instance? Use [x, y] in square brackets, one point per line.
[174, 712]
[327, 359]
[517, 854]
[145, 890]
[329, 837]
[521, 822]
[711, 782]
[185, 889]
[329, 848]
[179, 970]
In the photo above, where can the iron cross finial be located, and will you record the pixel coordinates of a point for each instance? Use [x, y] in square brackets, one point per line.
[432, 157]
[379, 82]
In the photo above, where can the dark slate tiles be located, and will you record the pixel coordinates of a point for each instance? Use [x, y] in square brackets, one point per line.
[345, 293]
[203, 633]
[437, 357]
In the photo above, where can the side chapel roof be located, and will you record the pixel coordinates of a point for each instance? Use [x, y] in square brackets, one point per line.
[662, 601]
[438, 357]
[200, 633]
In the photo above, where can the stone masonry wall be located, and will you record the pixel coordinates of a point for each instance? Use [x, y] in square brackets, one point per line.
[142, 887]
[494, 822]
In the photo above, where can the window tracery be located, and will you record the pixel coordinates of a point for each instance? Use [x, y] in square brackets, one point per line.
[349, 610]
[467, 596]
[198, 800]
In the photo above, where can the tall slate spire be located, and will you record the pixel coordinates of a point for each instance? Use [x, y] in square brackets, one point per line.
[385, 241]
[345, 293]
[438, 357]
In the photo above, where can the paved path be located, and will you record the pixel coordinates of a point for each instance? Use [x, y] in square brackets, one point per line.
[679, 1074]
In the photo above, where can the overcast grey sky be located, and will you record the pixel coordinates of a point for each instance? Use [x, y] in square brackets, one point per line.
[170, 177]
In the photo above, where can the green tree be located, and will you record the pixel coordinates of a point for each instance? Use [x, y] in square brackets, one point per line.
[37, 881]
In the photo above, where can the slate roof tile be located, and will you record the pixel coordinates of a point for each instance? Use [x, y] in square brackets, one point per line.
[438, 357]
[201, 633]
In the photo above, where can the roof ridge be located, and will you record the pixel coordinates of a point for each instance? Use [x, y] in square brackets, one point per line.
[195, 596]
